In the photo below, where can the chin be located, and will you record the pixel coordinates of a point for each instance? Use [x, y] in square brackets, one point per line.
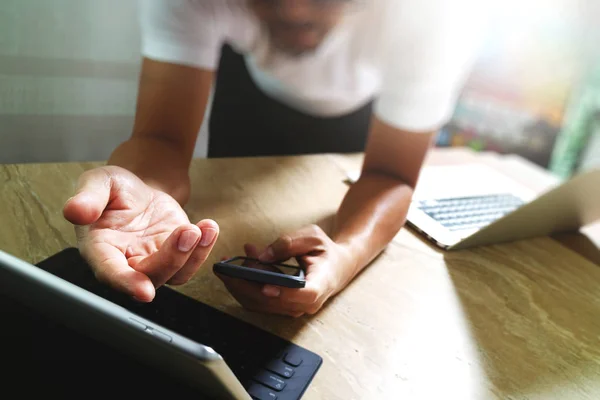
[296, 50]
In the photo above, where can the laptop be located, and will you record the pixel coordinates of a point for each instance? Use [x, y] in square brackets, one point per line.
[65, 333]
[464, 206]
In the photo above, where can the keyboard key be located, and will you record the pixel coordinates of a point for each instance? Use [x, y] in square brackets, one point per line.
[281, 353]
[260, 392]
[270, 380]
[280, 368]
[471, 212]
[292, 359]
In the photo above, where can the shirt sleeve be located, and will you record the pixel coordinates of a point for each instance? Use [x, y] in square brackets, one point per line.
[184, 32]
[430, 49]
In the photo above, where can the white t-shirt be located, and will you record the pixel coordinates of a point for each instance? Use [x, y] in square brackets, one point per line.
[411, 56]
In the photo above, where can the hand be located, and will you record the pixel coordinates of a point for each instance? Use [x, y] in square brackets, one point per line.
[329, 268]
[134, 237]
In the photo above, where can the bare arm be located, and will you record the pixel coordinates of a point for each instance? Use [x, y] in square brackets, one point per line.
[375, 207]
[170, 109]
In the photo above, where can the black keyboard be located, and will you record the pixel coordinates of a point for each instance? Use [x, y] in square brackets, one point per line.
[268, 366]
[469, 212]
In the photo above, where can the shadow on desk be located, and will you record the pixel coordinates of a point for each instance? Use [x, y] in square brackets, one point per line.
[533, 315]
[580, 244]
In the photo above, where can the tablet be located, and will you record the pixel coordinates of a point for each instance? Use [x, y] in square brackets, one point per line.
[70, 334]
[192, 362]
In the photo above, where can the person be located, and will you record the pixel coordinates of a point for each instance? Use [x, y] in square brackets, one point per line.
[290, 77]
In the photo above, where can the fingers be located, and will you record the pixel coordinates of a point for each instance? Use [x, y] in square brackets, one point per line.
[308, 240]
[91, 198]
[239, 287]
[251, 251]
[308, 295]
[249, 295]
[279, 300]
[173, 254]
[209, 234]
[110, 267]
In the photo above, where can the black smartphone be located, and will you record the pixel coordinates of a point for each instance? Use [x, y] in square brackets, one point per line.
[253, 270]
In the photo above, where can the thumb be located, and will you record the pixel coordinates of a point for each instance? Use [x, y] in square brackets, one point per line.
[91, 197]
[308, 240]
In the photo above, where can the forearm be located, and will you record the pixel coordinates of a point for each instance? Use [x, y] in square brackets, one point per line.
[170, 108]
[371, 214]
[158, 162]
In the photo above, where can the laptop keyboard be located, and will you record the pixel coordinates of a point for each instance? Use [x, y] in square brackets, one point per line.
[268, 366]
[469, 212]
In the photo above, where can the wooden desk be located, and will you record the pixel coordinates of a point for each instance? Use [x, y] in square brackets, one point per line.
[514, 321]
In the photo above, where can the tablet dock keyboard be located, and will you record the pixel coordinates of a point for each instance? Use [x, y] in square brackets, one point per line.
[268, 366]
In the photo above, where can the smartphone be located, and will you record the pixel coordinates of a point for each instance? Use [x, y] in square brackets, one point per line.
[253, 270]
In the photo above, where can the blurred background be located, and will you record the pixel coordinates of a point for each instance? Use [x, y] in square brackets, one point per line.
[69, 69]
[68, 78]
[535, 90]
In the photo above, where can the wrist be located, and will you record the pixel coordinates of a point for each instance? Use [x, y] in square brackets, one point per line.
[353, 246]
[158, 163]
[349, 265]
[179, 189]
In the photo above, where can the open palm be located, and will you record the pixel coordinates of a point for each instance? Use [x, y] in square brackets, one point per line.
[134, 237]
